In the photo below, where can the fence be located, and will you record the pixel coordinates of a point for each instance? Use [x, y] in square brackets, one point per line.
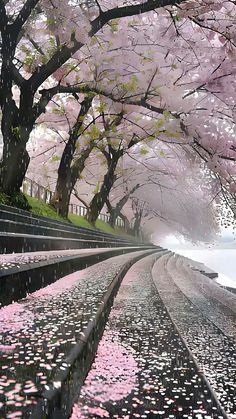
[33, 189]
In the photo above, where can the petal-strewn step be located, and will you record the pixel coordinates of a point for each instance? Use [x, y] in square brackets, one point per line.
[23, 273]
[208, 337]
[143, 368]
[49, 339]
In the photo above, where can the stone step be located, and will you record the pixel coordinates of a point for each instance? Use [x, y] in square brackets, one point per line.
[206, 324]
[49, 339]
[217, 304]
[8, 226]
[25, 273]
[201, 267]
[20, 243]
[18, 215]
[37, 221]
[143, 369]
[31, 218]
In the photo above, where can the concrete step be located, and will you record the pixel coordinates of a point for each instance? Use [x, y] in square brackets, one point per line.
[14, 214]
[201, 267]
[206, 323]
[49, 339]
[142, 368]
[19, 243]
[8, 226]
[14, 219]
[22, 274]
[217, 304]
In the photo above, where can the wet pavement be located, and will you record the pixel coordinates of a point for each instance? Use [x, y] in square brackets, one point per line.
[17, 260]
[37, 333]
[205, 317]
[142, 368]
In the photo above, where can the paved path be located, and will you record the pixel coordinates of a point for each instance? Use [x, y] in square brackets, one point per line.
[142, 368]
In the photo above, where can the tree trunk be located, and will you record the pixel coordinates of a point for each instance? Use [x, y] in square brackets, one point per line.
[100, 198]
[16, 122]
[112, 212]
[69, 171]
[61, 197]
[137, 223]
[113, 217]
[13, 165]
[115, 212]
[67, 178]
[125, 221]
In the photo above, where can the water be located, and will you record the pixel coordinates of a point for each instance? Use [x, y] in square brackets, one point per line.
[222, 261]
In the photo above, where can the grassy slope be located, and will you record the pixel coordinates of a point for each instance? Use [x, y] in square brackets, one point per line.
[40, 208]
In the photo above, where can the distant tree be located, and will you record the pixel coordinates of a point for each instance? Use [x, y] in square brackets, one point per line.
[115, 211]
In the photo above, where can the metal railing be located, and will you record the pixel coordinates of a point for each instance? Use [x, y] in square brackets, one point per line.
[33, 189]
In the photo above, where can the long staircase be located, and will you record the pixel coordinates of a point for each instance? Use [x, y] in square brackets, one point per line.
[97, 326]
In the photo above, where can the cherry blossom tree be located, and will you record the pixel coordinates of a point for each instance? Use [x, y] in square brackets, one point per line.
[195, 56]
[37, 38]
[168, 66]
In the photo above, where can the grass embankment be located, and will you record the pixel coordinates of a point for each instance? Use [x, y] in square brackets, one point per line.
[40, 208]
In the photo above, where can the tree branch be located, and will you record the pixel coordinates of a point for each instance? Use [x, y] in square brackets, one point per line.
[62, 55]
[23, 16]
[49, 93]
[3, 16]
[211, 154]
[125, 11]
[79, 198]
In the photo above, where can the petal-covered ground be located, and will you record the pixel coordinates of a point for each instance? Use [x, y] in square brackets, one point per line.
[37, 333]
[205, 316]
[158, 377]
[17, 260]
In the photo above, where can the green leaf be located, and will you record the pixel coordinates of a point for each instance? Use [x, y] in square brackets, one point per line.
[167, 114]
[50, 21]
[143, 151]
[101, 107]
[16, 132]
[159, 123]
[114, 25]
[54, 158]
[97, 188]
[132, 85]
[176, 135]
[94, 132]
[176, 18]
[59, 110]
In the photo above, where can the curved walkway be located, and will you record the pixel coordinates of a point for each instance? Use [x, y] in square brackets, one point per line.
[207, 324]
[143, 368]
